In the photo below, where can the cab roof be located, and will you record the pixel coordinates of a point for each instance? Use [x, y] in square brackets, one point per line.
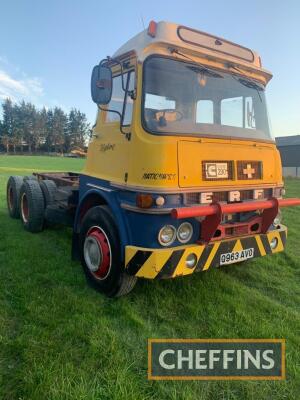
[181, 37]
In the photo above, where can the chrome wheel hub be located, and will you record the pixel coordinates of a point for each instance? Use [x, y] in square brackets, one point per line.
[92, 253]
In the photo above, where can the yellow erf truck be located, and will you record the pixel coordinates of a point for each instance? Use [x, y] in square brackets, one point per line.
[182, 173]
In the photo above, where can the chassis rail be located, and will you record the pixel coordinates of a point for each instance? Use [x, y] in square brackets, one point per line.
[60, 178]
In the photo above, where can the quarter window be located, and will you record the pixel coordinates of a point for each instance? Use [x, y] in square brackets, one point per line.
[128, 107]
[117, 99]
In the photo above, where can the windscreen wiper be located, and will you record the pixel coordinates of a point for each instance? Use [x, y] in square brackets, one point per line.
[252, 85]
[198, 67]
[248, 82]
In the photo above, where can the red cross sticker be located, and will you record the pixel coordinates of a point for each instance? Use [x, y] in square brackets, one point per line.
[249, 171]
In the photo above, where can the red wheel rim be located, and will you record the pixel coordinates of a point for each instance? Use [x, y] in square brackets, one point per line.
[97, 253]
[24, 208]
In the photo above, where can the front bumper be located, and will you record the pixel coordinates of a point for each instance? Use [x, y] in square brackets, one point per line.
[171, 262]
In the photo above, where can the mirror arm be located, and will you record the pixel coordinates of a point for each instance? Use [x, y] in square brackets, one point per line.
[109, 110]
[113, 60]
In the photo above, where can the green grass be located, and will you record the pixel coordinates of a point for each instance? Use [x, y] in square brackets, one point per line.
[27, 164]
[59, 339]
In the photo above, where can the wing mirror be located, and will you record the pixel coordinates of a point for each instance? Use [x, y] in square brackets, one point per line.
[101, 84]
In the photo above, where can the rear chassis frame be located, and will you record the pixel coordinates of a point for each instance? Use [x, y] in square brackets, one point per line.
[63, 210]
[60, 178]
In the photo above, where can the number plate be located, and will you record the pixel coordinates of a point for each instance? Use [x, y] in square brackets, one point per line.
[236, 256]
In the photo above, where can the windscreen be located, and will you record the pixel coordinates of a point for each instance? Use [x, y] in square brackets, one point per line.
[189, 99]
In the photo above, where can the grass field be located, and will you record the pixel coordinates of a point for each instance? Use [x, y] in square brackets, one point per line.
[59, 339]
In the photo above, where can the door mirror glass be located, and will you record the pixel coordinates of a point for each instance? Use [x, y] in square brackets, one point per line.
[101, 84]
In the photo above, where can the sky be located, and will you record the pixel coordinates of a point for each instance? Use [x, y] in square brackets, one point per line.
[48, 48]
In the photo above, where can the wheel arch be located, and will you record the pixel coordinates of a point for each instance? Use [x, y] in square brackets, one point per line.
[96, 197]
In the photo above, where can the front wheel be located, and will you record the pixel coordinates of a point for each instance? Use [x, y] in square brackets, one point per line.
[100, 253]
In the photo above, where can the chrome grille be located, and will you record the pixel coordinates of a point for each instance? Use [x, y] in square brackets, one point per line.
[194, 198]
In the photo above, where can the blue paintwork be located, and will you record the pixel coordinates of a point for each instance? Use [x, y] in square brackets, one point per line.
[137, 229]
[145, 228]
[109, 194]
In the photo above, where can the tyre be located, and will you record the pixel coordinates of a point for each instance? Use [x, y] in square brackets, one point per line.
[100, 254]
[30, 178]
[13, 188]
[49, 190]
[32, 206]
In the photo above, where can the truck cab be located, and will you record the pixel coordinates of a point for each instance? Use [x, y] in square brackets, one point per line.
[190, 129]
[182, 172]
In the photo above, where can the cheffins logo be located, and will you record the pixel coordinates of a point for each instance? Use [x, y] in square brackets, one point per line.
[216, 359]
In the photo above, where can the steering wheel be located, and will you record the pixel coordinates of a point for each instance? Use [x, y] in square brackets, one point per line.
[170, 111]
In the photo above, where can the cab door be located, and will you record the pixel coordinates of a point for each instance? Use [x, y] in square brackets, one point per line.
[108, 156]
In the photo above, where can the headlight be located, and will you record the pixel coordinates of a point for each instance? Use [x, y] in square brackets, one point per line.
[191, 260]
[185, 232]
[278, 218]
[274, 243]
[167, 235]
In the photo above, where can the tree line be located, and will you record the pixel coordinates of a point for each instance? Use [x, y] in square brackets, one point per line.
[24, 128]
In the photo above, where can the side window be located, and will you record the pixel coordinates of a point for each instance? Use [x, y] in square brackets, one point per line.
[232, 112]
[117, 100]
[129, 102]
[205, 112]
[156, 102]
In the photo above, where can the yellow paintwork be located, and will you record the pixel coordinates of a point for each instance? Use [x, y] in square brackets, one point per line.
[113, 158]
[192, 151]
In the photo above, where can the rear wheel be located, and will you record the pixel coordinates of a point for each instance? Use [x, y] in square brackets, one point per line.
[30, 178]
[32, 206]
[49, 190]
[13, 195]
[100, 254]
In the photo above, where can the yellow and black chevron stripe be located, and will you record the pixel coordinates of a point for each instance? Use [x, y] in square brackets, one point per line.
[170, 262]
